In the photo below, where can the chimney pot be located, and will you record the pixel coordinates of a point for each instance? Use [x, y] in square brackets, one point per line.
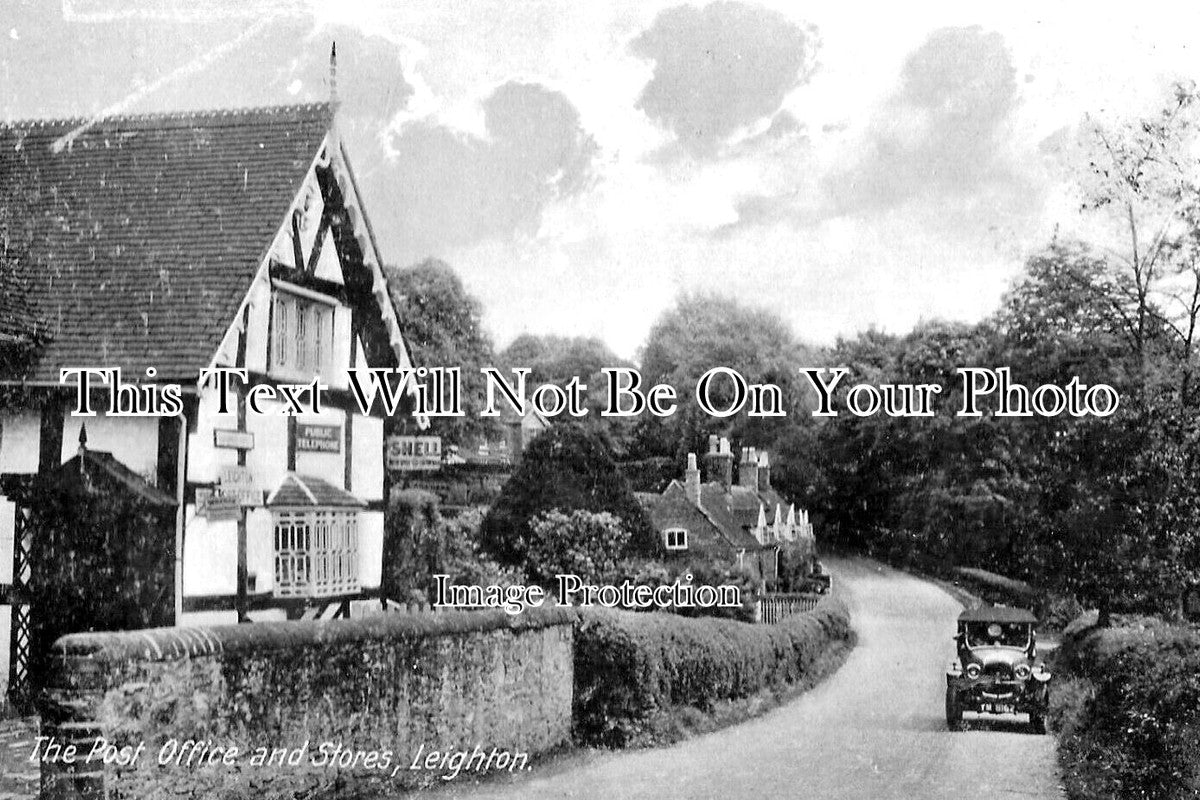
[691, 480]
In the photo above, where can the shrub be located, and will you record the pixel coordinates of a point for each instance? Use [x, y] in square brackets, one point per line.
[567, 469]
[1136, 732]
[583, 543]
[629, 666]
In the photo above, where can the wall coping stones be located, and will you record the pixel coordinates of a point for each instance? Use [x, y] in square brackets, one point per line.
[171, 644]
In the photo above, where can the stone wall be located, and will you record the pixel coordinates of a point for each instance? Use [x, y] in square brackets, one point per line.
[312, 708]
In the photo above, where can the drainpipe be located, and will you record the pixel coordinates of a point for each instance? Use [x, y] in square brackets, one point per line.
[180, 514]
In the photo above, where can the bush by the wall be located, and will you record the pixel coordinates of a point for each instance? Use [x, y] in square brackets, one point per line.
[1133, 726]
[630, 666]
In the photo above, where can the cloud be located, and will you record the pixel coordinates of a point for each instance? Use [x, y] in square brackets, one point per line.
[444, 188]
[720, 69]
[942, 132]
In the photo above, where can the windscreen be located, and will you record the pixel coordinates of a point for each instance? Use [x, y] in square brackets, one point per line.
[1002, 634]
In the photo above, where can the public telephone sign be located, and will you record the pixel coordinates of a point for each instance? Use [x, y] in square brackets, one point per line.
[319, 438]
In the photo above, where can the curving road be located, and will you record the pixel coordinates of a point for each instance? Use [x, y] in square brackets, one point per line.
[874, 730]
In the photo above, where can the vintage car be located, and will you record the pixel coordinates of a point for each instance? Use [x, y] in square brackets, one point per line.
[997, 670]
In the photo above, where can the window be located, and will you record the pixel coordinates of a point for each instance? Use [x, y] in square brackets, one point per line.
[676, 538]
[302, 336]
[316, 553]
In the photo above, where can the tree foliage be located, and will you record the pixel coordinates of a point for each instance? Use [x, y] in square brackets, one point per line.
[706, 331]
[443, 327]
[564, 469]
[585, 543]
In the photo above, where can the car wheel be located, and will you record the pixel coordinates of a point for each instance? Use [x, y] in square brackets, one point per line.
[954, 710]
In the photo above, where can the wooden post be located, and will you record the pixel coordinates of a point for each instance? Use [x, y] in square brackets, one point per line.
[242, 603]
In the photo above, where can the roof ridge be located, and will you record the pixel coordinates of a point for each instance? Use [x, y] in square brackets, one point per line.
[169, 116]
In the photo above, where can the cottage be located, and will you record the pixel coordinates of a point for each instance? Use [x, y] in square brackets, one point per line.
[165, 245]
[747, 524]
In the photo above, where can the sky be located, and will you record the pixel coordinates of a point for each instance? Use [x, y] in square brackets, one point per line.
[580, 165]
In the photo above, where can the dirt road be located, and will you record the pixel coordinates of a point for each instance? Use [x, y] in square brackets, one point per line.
[874, 730]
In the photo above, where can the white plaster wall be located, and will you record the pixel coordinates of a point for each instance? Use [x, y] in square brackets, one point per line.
[8, 511]
[260, 549]
[258, 324]
[329, 266]
[209, 556]
[367, 478]
[5, 632]
[268, 460]
[19, 434]
[204, 460]
[370, 548]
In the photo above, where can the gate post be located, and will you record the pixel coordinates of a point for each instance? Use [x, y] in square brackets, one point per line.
[69, 706]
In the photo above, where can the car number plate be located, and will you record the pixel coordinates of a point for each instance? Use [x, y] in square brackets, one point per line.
[997, 708]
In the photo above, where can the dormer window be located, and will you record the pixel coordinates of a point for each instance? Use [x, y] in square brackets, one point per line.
[676, 538]
[302, 332]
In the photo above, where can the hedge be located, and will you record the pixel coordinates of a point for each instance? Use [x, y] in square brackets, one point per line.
[1136, 730]
[630, 666]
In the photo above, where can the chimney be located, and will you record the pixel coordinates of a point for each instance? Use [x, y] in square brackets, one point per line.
[748, 469]
[719, 462]
[691, 480]
[764, 470]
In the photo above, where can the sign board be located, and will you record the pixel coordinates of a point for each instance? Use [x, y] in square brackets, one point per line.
[217, 508]
[319, 438]
[233, 440]
[234, 475]
[414, 453]
[235, 484]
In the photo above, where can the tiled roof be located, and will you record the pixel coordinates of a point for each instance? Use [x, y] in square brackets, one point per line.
[731, 511]
[672, 509]
[140, 237]
[308, 490]
[108, 465]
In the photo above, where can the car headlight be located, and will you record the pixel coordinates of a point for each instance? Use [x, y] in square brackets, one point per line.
[1022, 672]
[974, 671]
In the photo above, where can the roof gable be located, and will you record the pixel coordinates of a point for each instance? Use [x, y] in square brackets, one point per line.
[139, 239]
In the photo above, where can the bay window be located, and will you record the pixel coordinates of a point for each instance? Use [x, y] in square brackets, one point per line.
[316, 552]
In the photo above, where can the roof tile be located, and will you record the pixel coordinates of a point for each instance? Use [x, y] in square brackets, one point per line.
[138, 240]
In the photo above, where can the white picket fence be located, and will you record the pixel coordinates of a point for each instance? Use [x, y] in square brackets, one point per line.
[772, 608]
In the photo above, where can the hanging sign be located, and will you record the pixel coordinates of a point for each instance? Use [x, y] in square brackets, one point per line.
[236, 484]
[233, 440]
[216, 508]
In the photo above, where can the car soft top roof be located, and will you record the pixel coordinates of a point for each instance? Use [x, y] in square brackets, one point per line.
[997, 614]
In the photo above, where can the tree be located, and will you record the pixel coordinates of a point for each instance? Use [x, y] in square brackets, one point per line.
[706, 331]
[420, 543]
[564, 469]
[443, 327]
[1142, 174]
[558, 359]
[1115, 497]
[413, 546]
